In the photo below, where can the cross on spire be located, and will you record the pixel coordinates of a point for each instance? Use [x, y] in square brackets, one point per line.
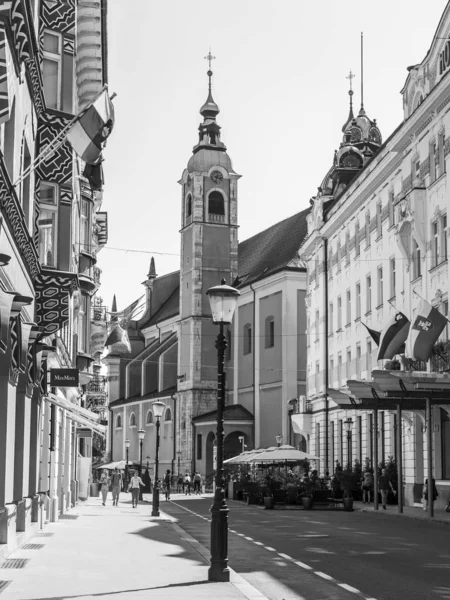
[209, 58]
[350, 76]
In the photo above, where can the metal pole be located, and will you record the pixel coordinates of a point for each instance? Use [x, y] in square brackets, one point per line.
[375, 458]
[430, 459]
[141, 442]
[155, 506]
[126, 472]
[219, 571]
[399, 459]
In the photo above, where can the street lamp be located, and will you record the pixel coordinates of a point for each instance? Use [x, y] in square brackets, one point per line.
[279, 439]
[223, 300]
[179, 453]
[158, 409]
[348, 425]
[127, 448]
[241, 438]
[141, 436]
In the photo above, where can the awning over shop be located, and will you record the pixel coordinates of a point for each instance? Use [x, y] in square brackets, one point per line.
[77, 413]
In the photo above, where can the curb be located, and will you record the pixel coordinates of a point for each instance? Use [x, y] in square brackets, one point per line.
[436, 520]
[248, 590]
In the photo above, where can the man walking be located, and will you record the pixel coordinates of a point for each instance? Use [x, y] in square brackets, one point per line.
[384, 483]
[135, 482]
[167, 484]
[116, 481]
[197, 482]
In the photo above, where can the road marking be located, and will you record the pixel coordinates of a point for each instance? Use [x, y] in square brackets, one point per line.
[312, 535]
[248, 538]
[285, 556]
[302, 565]
[270, 549]
[240, 534]
[258, 543]
[324, 576]
[349, 588]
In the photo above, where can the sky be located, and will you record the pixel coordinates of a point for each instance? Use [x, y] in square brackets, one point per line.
[280, 82]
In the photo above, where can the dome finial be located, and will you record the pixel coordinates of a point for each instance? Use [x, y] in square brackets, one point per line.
[210, 109]
[351, 116]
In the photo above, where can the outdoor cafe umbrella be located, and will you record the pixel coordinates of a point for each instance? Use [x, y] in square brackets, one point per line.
[244, 457]
[284, 453]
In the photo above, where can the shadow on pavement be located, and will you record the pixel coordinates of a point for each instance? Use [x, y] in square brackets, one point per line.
[114, 593]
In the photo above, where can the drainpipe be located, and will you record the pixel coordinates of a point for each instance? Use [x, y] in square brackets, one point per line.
[174, 421]
[325, 346]
[111, 430]
[254, 364]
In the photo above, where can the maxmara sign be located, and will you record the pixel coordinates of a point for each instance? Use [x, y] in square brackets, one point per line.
[444, 58]
[64, 377]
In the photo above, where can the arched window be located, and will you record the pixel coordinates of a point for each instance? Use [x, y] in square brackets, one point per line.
[168, 415]
[270, 332]
[216, 203]
[189, 206]
[119, 421]
[132, 420]
[149, 420]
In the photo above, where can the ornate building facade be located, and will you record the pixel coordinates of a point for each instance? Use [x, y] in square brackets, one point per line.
[377, 244]
[51, 66]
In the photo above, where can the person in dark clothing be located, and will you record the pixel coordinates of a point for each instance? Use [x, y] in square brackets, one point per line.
[167, 484]
[384, 483]
[425, 493]
[116, 483]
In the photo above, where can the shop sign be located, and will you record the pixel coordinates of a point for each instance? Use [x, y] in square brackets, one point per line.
[64, 378]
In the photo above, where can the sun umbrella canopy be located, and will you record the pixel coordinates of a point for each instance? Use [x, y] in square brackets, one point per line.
[283, 454]
[244, 457]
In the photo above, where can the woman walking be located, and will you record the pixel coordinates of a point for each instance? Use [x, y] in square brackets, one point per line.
[134, 486]
[105, 482]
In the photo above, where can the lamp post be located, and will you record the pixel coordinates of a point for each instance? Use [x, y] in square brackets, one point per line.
[127, 448]
[348, 425]
[179, 461]
[223, 300]
[279, 439]
[141, 436]
[241, 438]
[158, 409]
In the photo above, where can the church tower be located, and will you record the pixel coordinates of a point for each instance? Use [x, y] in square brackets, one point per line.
[209, 247]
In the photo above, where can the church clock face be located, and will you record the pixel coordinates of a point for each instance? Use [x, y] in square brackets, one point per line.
[216, 177]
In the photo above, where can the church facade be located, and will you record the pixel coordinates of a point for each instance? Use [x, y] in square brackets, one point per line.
[173, 356]
[377, 244]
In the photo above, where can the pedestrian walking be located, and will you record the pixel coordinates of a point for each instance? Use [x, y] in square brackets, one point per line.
[116, 482]
[167, 484]
[367, 486]
[105, 482]
[425, 493]
[180, 486]
[197, 482]
[187, 484]
[384, 483]
[134, 486]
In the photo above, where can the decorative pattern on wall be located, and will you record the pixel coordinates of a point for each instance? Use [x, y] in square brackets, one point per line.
[58, 167]
[16, 346]
[4, 101]
[14, 217]
[20, 30]
[53, 290]
[59, 15]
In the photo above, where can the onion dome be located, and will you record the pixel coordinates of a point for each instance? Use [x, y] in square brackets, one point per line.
[209, 110]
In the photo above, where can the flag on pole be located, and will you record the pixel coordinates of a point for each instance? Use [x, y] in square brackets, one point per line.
[375, 335]
[427, 326]
[393, 336]
[90, 131]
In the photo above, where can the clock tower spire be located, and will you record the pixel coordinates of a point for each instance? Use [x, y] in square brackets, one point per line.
[209, 247]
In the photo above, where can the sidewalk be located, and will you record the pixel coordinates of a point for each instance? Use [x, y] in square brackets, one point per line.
[414, 512]
[114, 552]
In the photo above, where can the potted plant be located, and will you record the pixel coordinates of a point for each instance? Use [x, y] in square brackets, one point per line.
[348, 480]
[308, 487]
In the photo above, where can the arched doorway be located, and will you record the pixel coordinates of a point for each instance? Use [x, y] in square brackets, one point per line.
[210, 455]
[232, 445]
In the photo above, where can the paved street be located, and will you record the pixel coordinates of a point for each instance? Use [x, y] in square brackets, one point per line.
[329, 554]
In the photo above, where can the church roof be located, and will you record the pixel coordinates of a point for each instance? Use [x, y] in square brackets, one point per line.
[273, 249]
[232, 412]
